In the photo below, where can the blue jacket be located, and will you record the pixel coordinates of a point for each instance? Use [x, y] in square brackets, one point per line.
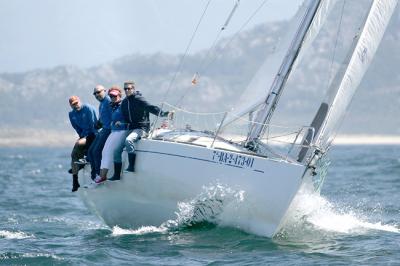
[105, 112]
[117, 117]
[84, 120]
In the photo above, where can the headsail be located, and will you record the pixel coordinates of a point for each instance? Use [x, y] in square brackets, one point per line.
[349, 77]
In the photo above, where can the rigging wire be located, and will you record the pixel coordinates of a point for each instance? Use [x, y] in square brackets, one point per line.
[330, 72]
[203, 69]
[193, 113]
[224, 26]
[178, 69]
[336, 43]
[237, 32]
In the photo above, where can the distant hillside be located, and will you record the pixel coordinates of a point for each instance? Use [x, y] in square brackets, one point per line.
[39, 99]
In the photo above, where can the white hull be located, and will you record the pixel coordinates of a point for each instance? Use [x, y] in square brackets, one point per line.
[170, 173]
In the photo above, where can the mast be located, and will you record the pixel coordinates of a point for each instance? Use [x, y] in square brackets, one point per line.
[264, 115]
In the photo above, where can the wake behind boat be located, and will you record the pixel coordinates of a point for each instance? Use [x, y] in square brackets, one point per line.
[260, 164]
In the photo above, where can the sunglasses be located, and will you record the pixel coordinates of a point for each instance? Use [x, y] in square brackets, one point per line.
[128, 89]
[113, 96]
[96, 92]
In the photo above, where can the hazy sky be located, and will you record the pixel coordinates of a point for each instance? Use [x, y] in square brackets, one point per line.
[46, 33]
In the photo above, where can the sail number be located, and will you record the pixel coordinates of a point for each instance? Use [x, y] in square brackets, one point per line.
[233, 159]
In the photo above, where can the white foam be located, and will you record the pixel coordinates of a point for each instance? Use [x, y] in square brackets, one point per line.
[224, 206]
[206, 207]
[35, 255]
[14, 235]
[117, 231]
[323, 215]
[35, 171]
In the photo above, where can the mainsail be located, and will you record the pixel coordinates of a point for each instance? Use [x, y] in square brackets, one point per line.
[261, 85]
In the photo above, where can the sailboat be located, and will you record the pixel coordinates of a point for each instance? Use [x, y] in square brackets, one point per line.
[217, 169]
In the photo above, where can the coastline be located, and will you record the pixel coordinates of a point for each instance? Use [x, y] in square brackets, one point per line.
[53, 138]
[367, 140]
[36, 138]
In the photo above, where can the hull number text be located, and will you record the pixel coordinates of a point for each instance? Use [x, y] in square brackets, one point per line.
[233, 159]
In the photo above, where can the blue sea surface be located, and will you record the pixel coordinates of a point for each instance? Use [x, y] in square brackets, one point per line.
[355, 220]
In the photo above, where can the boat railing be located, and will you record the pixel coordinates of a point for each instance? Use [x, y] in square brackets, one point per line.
[279, 141]
[188, 120]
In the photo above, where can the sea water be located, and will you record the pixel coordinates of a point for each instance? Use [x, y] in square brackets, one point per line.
[355, 220]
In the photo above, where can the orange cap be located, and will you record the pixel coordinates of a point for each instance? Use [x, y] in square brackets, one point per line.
[73, 99]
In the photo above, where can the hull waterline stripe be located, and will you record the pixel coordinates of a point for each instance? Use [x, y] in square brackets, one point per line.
[194, 158]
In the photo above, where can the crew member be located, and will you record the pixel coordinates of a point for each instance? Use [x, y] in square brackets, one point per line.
[83, 119]
[135, 110]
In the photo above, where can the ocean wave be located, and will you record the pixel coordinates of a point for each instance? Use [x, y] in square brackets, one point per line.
[69, 221]
[313, 212]
[14, 235]
[9, 255]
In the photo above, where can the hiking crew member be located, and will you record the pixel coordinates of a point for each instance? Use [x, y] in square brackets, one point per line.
[104, 124]
[112, 151]
[83, 119]
[135, 110]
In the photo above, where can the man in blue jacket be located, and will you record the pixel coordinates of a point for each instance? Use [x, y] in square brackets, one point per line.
[104, 123]
[135, 110]
[83, 119]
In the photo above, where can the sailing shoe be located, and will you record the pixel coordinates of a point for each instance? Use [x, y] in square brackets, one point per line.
[100, 179]
[117, 172]
[131, 160]
[75, 183]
